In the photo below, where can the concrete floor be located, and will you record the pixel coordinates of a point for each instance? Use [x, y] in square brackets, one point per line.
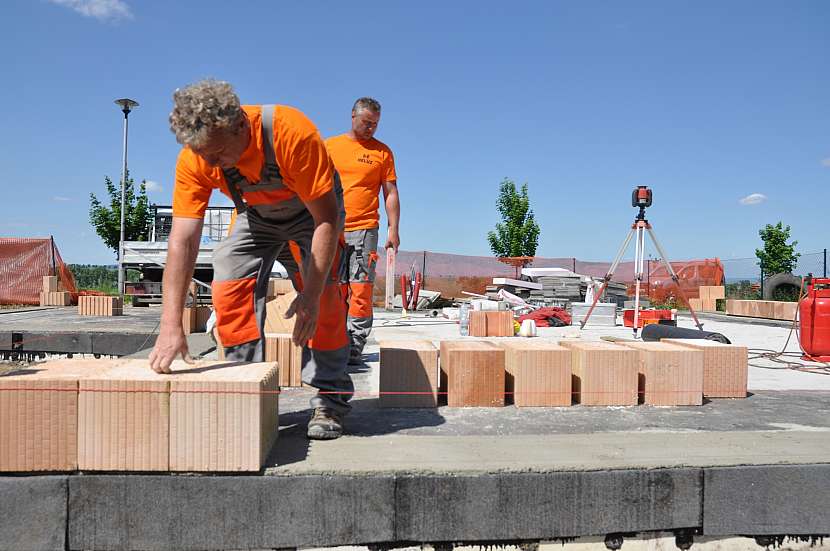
[477, 474]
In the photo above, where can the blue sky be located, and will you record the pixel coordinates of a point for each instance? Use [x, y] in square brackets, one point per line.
[706, 102]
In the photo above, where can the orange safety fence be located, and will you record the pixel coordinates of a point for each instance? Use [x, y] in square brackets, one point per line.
[23, 264]
[450, 274]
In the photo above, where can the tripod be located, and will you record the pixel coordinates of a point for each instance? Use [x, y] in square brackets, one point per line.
[641, 198]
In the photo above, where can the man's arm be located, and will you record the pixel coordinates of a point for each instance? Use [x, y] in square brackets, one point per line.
[182, 248]
[328, 225]
[393, 214]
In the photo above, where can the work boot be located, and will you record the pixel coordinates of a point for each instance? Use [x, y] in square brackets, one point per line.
[355, 357]
[325, 424]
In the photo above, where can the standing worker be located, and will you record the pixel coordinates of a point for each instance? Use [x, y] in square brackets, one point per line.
[271, 161]
[366, 167]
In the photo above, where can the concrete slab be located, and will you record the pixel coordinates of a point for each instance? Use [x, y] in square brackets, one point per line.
[33, 513]
[767, 500]
[228, 512]
[545, 506]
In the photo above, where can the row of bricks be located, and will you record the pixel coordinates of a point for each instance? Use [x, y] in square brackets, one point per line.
[120, 416]
[545, 373]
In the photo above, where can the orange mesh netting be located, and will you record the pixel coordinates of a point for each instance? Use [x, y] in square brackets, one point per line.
[23, 263]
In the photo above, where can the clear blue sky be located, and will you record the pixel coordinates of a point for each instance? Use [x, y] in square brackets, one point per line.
[706, 102]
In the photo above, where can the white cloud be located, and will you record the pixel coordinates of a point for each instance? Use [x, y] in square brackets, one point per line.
[753, 199]
[152, 186]
[826, 162]
[59, 198]
[102, 10]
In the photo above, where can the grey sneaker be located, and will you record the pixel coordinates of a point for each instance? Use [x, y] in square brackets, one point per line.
[325, 424]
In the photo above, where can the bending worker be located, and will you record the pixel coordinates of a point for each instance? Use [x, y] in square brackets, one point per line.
[271, 161]
[366, 167]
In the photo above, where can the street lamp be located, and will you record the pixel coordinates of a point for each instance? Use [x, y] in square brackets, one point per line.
[126, 105]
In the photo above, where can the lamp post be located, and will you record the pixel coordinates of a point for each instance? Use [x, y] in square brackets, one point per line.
[126, 105]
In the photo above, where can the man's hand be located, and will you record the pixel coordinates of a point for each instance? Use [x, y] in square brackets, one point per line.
[306, 308]
[169, 345]
[393, 241]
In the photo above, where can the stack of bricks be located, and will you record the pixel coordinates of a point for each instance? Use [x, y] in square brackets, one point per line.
[121, 416]
[538, 373]
[280, 295]
[408, 374]
[472, 372]
[53, 294]
[100, 306]
[669, 375]
[604, 374]
[709, 294]
[491, 323]
[281, 349]
[769, 309]
[725, 367]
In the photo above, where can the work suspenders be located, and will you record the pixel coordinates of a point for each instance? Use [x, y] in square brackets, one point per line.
[270, 178]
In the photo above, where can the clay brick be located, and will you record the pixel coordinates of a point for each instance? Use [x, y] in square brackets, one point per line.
[100, 306]
[708, 305]
[194, 319]
[278, 287]
[604, 374]
[124, 419]
[223, 415]
[475, 373]
[538, 373]
[703, 292]
[275, 309]
[500, 324]
[716, 292]
[724, 367]
[491, 323]
[56, 298]
[289, 357]
[696, 304]
[39, 416]
[787, 310]
[50, 284]
[478, 324]
[670, 375]
[408, 366]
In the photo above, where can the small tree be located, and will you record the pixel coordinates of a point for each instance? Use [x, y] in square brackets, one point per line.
[107, 221]
[518, 233]
[777, 257]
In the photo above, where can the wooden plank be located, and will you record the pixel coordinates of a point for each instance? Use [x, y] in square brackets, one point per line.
[410, 369]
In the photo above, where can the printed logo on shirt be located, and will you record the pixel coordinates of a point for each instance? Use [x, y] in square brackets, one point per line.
[366, 158]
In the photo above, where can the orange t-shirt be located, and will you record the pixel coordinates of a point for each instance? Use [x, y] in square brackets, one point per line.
[363, 167]
[305, 166]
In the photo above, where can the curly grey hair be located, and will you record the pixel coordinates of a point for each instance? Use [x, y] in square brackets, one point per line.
[371, 104]
[202, 107]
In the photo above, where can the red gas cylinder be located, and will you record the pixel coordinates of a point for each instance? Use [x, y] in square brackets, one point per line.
[814, 324]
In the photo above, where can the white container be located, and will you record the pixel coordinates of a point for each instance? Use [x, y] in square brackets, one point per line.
[528, 328]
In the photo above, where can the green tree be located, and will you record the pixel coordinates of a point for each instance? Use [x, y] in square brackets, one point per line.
[777, 257]
[518, 233]
[107, 220]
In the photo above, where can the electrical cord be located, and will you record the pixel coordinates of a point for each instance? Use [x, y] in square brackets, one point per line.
[780, 356]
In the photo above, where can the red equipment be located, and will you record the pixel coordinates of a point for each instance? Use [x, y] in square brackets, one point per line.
[646, 317]
[814, 321]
